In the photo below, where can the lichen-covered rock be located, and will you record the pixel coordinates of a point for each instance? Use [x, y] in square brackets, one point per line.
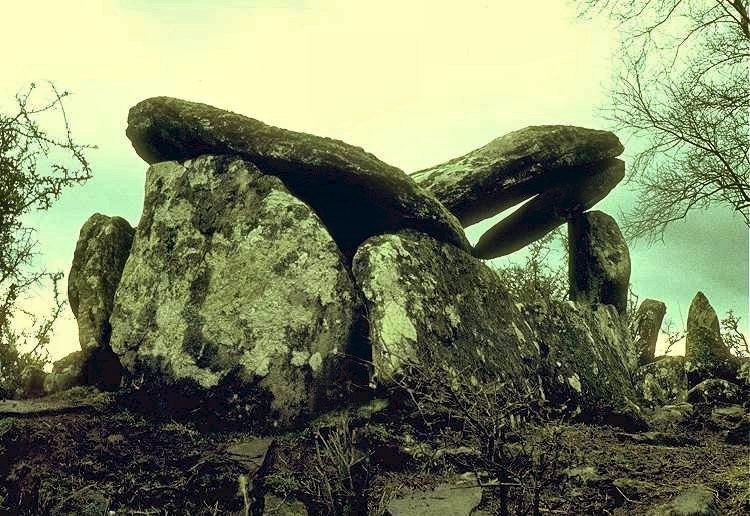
[429, 302]
[67, 372]
[714, 391]
[354, 193]
[235, 287]
[706, 356]
[101, 252]
[550, 209]
[646, 327]
[516, 166]
[598, 261]
[663, 381]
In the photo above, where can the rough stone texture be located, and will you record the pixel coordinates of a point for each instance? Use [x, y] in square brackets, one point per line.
[233, 284]
[646, 327]
[446, 499]
[275, 506]
[354, 193]
[67, 372]
[429, 301]
[598, 261]
[550, 209]
[663, 381]
[693, 501]
[706, 356]
[101, 252]
[714, 391]
[516, 166]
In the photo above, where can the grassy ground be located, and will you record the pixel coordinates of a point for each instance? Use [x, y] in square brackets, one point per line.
[102, 458]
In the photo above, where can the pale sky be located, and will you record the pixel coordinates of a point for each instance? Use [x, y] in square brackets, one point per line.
[414, 82]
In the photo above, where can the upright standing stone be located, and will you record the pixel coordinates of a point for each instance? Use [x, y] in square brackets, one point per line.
[234, 292]
[706, 356]
[599, 261]
[102, 250]
[646, 327]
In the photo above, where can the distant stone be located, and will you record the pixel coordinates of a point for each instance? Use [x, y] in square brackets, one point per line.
[727, 417]
[550, 209]
[663, 381]
[101, 252]
[706, 356]
[516, 166]
[667, 417]
[646, 327]
[355, 194]
[234, 291]
[714, 391]
[692, 501]
[33, 383]
[598, 261]
[430, 303]
[67, 372]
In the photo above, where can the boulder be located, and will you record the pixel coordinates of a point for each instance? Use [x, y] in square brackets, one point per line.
[101, 252]
[355, 194]
[516, 166]
[235, 291]
[431, 303]
[598, 261]
[663, 381]
[714, 391]
[692, 501]
[646, 327]
[550, 209]
[67, 372]
[448, 499]
[706, 356]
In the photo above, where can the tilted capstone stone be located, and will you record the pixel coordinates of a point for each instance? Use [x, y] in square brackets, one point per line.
[517, 166]
[234, 290]
[549, 210]
[355, 194]
[598, 261]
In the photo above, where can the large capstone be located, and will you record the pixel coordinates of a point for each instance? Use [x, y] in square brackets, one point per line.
[646, 327]
[234, 288]
[354, 193]
[103, 248]
[430, 303]
[550, 209]
[598, 261]
[516, 166]
[706, 356]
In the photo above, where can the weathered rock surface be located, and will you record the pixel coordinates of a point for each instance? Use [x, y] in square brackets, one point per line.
[693, 501]
[354, 193]
[516, 166]
[663, 381]
[67, 372]
[646, 327]
[428, 301]
[598, 261]
[233, 286]
[550, 209]
[449, 499]
[714, 391]
[706, 356]
[101, 252]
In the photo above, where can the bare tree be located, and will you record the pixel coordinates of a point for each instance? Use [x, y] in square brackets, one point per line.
[684, 91]
[35, 167]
